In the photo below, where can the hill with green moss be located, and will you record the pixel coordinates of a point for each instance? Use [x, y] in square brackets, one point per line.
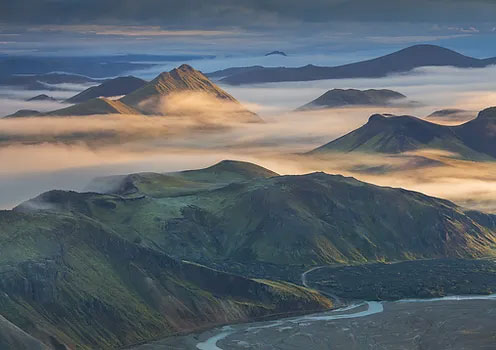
[106, 270]
[182, 182]
[308, 219]
[72, 282]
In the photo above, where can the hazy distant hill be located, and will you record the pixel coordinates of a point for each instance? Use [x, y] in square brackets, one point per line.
[42, 97]
[473, 140]
[353, 97]
[114, 87]
[452, 115]
[401, 61]
[232, 71]
[46, 81]
[90, 66]
[24, 113]
[277, 53]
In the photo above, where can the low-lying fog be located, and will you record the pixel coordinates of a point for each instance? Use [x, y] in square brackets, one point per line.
[136, 143]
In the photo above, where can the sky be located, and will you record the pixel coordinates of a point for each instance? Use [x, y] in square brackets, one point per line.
[240, 27]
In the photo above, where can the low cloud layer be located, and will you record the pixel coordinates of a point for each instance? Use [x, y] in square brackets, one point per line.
[203, 133]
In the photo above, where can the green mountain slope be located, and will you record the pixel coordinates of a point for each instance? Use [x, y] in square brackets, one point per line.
[73, 283]
[472, 140]
[180, 183]
[12, 337]
[310, 219]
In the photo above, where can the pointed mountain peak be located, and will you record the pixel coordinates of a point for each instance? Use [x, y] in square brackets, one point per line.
[182, 69]
[183, 79]
[186, 68]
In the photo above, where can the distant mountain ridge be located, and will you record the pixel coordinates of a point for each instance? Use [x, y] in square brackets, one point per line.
[42, 97]
[475, 139]
[398, 62]
[146, 98]
[48, 81]
[277, 53]
[110, 88]
[452, 115]
[353, 97]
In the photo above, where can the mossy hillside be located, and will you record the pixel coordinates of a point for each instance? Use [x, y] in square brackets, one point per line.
[93, 289]
[309, 219]
[158, 185]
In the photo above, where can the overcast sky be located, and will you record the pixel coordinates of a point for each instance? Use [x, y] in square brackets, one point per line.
[244, 26]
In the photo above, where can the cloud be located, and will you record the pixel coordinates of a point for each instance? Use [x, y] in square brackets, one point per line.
[124, 30]
[410, 39]
[68, 153]
[470, 29]
[235, 11]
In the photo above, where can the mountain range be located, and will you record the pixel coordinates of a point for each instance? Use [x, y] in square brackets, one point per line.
[353, 97]
[398, 62]
[47, 81]
[147, 98]
[90, 66]
[475, 140]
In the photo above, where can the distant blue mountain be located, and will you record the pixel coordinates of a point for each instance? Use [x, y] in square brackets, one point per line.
[398, 62]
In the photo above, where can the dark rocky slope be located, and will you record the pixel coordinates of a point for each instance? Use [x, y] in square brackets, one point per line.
[474, 140]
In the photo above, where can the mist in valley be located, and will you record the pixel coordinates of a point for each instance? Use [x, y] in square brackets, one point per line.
[39, 154]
